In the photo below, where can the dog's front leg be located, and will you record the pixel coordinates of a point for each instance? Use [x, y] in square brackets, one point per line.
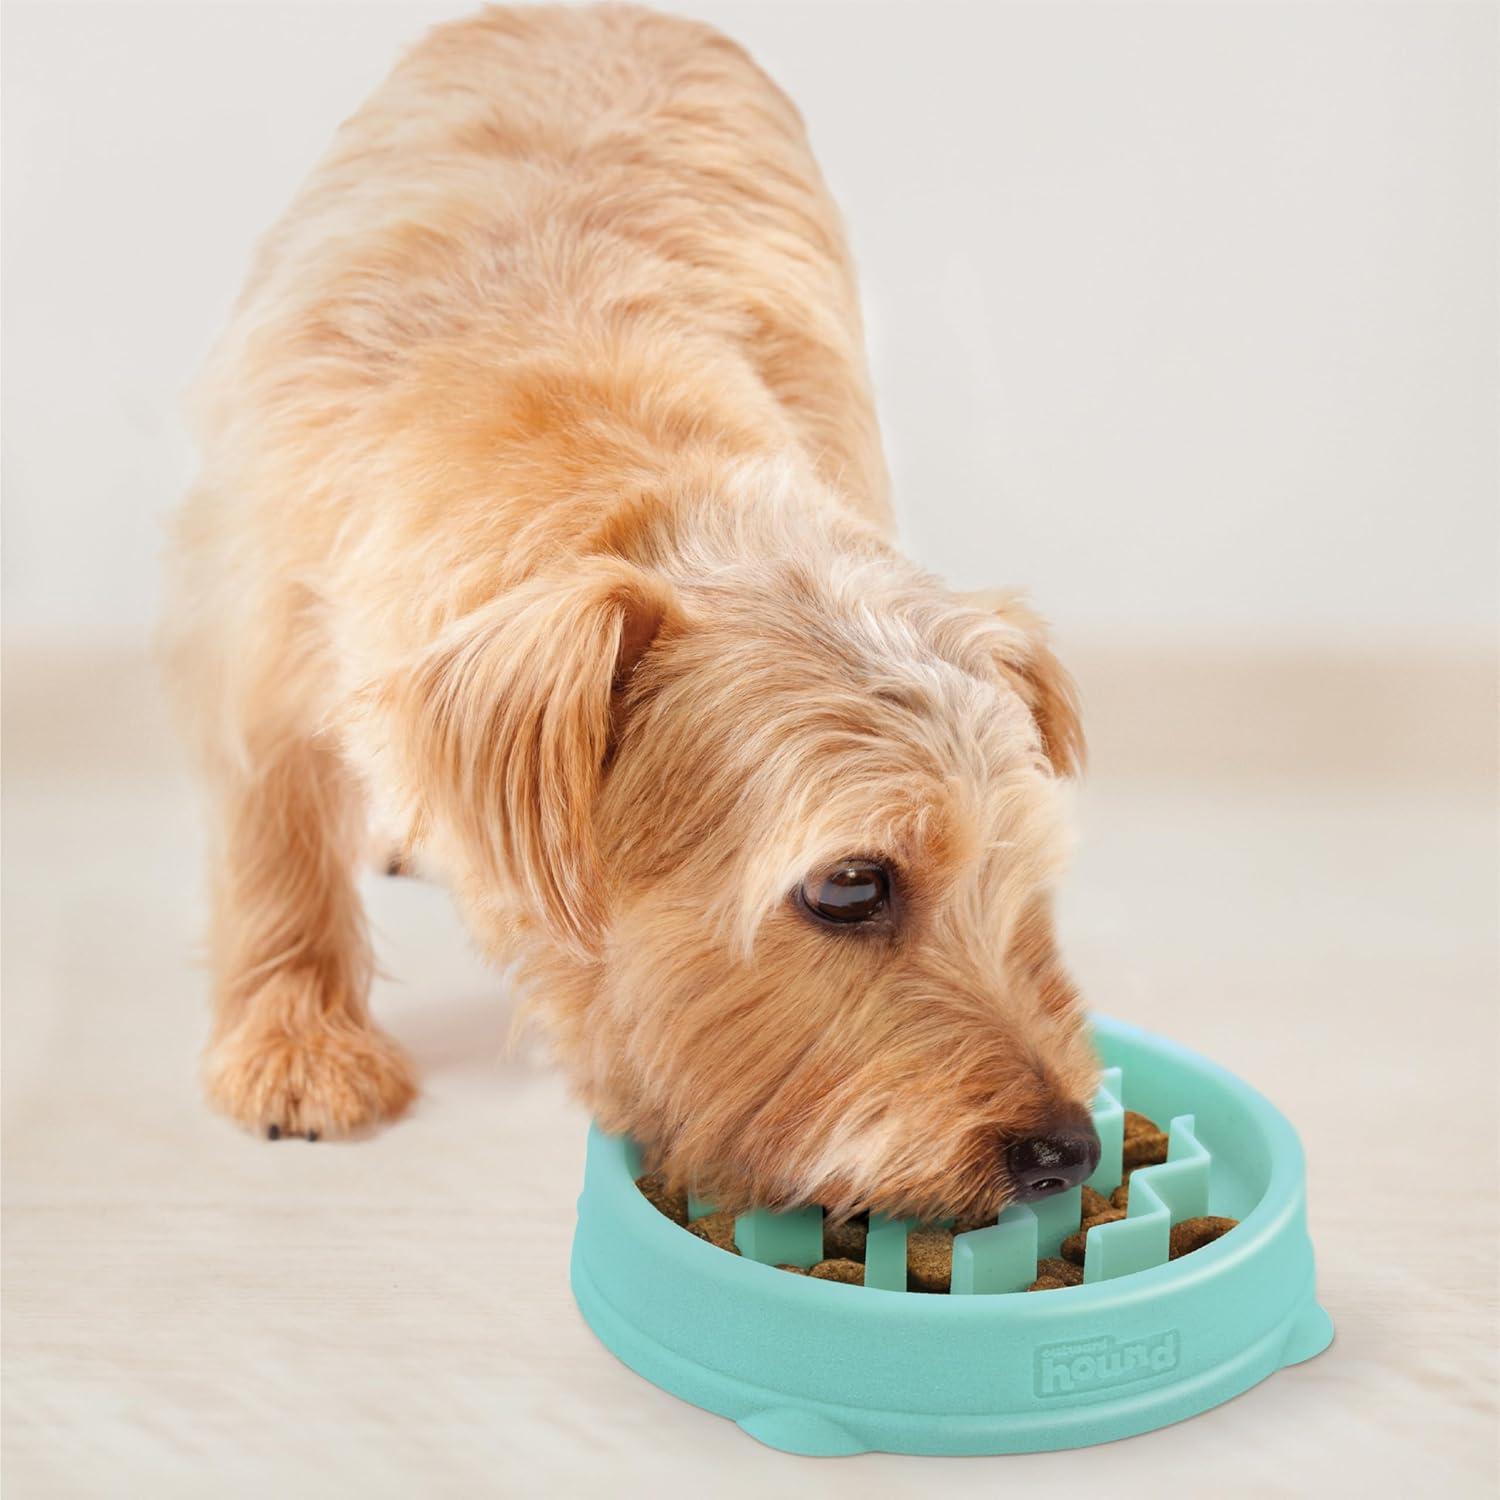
[294, 1051]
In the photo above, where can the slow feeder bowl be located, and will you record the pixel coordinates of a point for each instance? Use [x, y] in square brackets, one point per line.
[819, 1367]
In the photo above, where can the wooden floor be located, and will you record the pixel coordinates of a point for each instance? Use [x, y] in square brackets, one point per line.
[1288, 865]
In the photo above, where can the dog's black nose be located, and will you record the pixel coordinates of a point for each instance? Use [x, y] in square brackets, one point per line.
[1051, 1163]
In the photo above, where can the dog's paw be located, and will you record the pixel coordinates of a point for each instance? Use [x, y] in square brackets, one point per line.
[331, 1077]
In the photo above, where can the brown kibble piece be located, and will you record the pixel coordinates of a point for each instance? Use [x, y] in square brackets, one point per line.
[1048, 1284]
[717, 1229]
[839, 1269]
[1137, 1124]
[1120, 1198]
[1093, 1203]
[1056, 1269]
[1073, 1246]
[653, 1188]
[845, 1241]
[1194, 1234]
[795, 1270]
[973, 1221]
[1144, 1150]
[929, 1260]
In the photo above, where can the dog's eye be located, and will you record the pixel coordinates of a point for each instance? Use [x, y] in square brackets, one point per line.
[855, 891]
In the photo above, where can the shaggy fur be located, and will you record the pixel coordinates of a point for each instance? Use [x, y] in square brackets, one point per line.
[543, 522]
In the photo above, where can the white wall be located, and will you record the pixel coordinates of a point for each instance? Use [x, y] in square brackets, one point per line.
[1182, 315]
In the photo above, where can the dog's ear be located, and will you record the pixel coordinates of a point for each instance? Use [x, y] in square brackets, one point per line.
[510, 720]
[1024, 656]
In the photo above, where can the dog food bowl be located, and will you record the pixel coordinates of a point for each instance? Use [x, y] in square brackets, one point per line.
[823, 1368]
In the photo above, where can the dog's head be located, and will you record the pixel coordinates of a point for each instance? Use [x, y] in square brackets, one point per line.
[781, 837]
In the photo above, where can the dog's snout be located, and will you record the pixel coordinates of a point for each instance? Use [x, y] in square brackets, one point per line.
[1052, 1162]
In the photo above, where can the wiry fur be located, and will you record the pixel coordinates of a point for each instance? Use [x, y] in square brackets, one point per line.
[542, 519]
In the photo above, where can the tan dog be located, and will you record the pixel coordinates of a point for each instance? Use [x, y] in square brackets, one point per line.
[543, 520]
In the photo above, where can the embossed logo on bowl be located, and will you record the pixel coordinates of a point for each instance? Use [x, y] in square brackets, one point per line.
[1082, 1365]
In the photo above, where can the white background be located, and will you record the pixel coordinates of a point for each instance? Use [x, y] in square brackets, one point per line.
[1183, 316]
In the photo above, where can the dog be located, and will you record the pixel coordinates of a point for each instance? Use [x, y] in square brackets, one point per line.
[542, 521]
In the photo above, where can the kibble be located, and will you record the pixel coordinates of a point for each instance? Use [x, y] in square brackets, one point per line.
[1073, 1246]
[653, 1188]
[1054, 1268]
[1194, 1234]
[1145, 1143]
[929, 1260]
[795, 1270]
[1120, 1198]
[1047, 1284]
[717, 1229]
[1144, 1150]
[845, 1241]
[839, 1269]
[965, 1222]
[1093, 1203]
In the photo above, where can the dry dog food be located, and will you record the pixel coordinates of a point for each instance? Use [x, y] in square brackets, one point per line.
[674, 1205]
[929, 1260]
[929, 1251]
[717, 1229]
[840, 1269]
[1194, 1234]
[963, 1226]
[1072, 1247]
[846, 1241]
[1145, 1143]
[1053, 1273]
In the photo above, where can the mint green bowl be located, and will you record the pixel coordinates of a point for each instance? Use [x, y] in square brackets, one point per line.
[822, 1368]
